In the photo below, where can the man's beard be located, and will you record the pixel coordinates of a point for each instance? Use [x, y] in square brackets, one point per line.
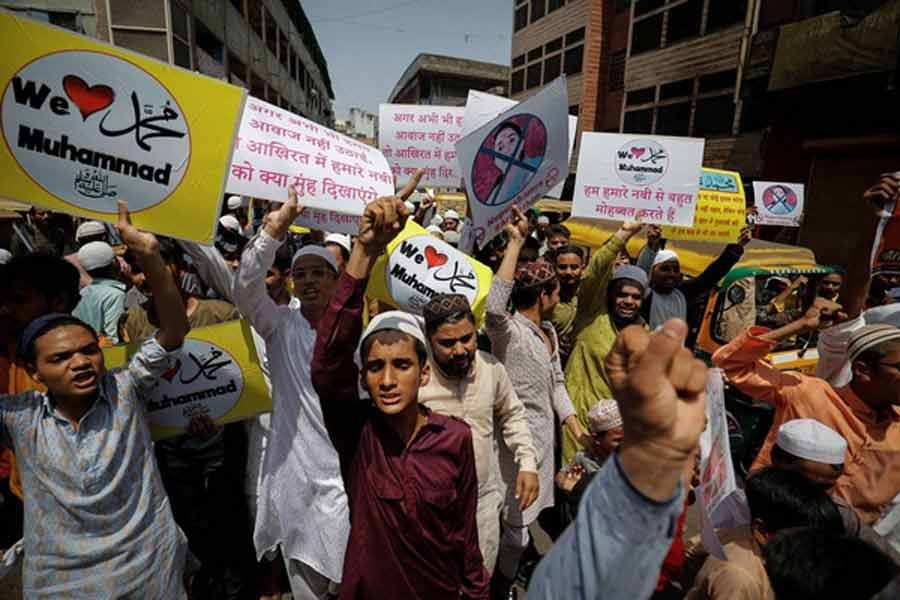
[453, 369]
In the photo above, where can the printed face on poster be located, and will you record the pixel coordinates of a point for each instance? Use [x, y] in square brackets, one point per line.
[481, 107]
[334, 175]
[415, 137]
[515, 158]
[721, 209]
[623, 177]
[215, 374]
[778, 203]
[85, 124]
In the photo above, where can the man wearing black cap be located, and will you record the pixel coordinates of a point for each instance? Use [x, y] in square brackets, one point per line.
[474, 386]
[97, 520]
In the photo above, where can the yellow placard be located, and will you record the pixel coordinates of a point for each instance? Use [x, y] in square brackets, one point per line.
[417, 266]
[85, 123]
[721, 209]
[217, 373]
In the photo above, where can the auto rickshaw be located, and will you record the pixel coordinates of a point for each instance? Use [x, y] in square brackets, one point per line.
[741, 299]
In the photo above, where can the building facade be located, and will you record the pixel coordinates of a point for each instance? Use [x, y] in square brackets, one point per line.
[446, 80]
[266, 46]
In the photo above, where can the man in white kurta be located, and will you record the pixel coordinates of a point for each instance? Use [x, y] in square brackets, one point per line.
[302, 504]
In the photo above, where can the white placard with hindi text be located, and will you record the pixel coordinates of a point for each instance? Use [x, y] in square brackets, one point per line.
[421, 137]
[625, 176]
[335, 176]
[778, 203]
[515, 158]
[481, 107]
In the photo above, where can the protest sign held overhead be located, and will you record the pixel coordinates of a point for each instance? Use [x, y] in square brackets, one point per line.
[514, 159]
[721, 209]
[417, 266]
[778, 203]
[624, 177]
[886, 248]
[334, 175]
[215, 374]
[481, 107]
[85, 123]
[415, 137]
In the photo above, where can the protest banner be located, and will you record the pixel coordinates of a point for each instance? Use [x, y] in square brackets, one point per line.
[778, 203]
[654, 178]
[481, 107]
[415, 137]
[216, 373]
[417, 266]
[721, 209]
[515, 158]
[334, 175]
[85, 123]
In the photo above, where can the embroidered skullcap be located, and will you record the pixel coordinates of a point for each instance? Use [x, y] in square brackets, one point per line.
[451, 214]
[392, 320]
[543, 220]
[869, 337]
[534, 273]
[28, 335]
[96, 255]
[443, 305]
[810, 440]
[234, 202]
[341, 239]
[604, 416]
[664, 256]
[314, 250]
[230, 223]
[89, 229]
[636, 274]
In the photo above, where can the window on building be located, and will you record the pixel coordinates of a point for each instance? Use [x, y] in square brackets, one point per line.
[553, 45]
[616, 71]
[673, 119]
[283, 49]
[292, 61]
[302, 76]
[684, 21]
[66, 20]
[538, 8]
[535, 53]
[574, 57]
[180, 20]
[534, 76]
[642, 7]
[181, 36]
[676, 89]
[722, 80]
[517, 81]
[151, 43]
[573, 110]
[638, 121]
[238, 6]
[646, 34]
[641, 96]
[518, 61]
[237, 70]
[725, 13]
[714, 116]
[552, 67]
[520, 19]
[554, 5]
[257, 87]
[271, 33]
[209, 43]
[181, 52]
[573, 37]
[254, 16]
[129, 13]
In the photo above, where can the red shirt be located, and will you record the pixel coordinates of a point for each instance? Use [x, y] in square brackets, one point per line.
[412, 508]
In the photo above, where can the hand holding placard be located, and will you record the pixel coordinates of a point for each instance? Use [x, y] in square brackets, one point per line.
[278, 221]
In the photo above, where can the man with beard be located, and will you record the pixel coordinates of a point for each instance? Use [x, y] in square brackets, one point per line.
[473, 386]
[569, 261]
[608, 300]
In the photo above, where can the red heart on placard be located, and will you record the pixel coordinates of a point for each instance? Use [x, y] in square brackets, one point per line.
[434, 258]
[88, 99]
[172, 371]
[637, 152]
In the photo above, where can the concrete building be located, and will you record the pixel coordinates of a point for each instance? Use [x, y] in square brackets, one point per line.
[267, 46]
[363, 124]
[446, 80]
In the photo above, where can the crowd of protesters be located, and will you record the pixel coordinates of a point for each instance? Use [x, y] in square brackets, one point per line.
[414, 456]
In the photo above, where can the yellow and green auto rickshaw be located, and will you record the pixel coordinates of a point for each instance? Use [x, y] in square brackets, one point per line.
[743, 298]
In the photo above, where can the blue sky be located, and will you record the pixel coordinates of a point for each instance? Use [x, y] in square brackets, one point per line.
[369, 43]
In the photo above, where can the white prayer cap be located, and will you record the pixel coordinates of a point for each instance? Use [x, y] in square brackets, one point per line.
[868, 337]
[5, 256]
[410, 207]
[664, 256]
[811, 440]
[604, 416]
[315, 250]
[543, 220]
[234, 202]
[96, 255]
[341, 239]
[451, 237]
[89, 229]
[230, 223]
[436, 220]
[393, 320]
[451, 214]
[435, 230]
